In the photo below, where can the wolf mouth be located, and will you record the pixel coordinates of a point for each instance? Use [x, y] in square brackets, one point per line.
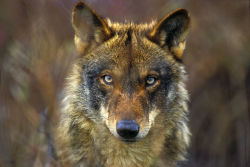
[128, 140]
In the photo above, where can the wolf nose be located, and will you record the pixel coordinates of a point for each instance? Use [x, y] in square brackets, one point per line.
[128, 129]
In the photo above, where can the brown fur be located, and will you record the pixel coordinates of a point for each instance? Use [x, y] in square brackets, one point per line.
[86, 134]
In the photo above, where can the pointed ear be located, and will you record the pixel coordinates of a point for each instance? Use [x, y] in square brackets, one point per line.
[172, 32]
[88, 26]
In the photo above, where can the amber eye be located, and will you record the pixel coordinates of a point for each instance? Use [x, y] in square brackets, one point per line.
[107, 79]
[150, 81]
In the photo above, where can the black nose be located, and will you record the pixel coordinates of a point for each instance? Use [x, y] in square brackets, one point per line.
[127, 129]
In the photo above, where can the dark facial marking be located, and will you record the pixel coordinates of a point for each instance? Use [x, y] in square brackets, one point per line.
[128, 40]
[165, 77]
[91, 82]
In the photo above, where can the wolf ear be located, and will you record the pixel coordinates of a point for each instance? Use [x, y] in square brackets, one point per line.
[88, 26]
[172, 31]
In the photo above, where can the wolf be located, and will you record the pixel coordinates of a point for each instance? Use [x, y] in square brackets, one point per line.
[125, 101]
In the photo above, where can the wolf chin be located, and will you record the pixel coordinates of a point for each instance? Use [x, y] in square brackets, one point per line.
[125, 101]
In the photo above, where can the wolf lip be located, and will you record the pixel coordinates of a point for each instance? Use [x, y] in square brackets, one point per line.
[128, 140]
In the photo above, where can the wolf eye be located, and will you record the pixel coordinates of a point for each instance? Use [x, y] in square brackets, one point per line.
[150, 81]
[107, 79]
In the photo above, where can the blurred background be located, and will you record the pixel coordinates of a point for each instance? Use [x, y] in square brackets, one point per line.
[36, 51]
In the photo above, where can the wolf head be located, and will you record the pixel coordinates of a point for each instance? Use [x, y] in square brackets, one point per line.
[129, 77]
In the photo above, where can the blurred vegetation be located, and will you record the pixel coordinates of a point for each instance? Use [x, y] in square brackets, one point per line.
[36, 51]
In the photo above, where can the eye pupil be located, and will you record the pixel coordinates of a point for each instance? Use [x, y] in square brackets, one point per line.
[107, 79]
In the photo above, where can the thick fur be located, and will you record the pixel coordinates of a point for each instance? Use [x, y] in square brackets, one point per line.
[86, 135]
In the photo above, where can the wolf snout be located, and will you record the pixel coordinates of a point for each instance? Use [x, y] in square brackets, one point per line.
[127, 129]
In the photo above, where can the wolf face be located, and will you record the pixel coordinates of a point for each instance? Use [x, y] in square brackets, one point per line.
[129, 78]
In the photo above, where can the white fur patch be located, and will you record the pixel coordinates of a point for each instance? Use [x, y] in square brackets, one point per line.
[186, 133]
[105, 118]
[104, 113]
[152, 116]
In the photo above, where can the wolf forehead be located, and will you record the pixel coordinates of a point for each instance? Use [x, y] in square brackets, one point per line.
[129, 47]
[140, 28]
[129, 38]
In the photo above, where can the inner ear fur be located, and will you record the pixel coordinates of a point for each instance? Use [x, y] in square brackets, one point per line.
[88, 26]
[172, 31]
